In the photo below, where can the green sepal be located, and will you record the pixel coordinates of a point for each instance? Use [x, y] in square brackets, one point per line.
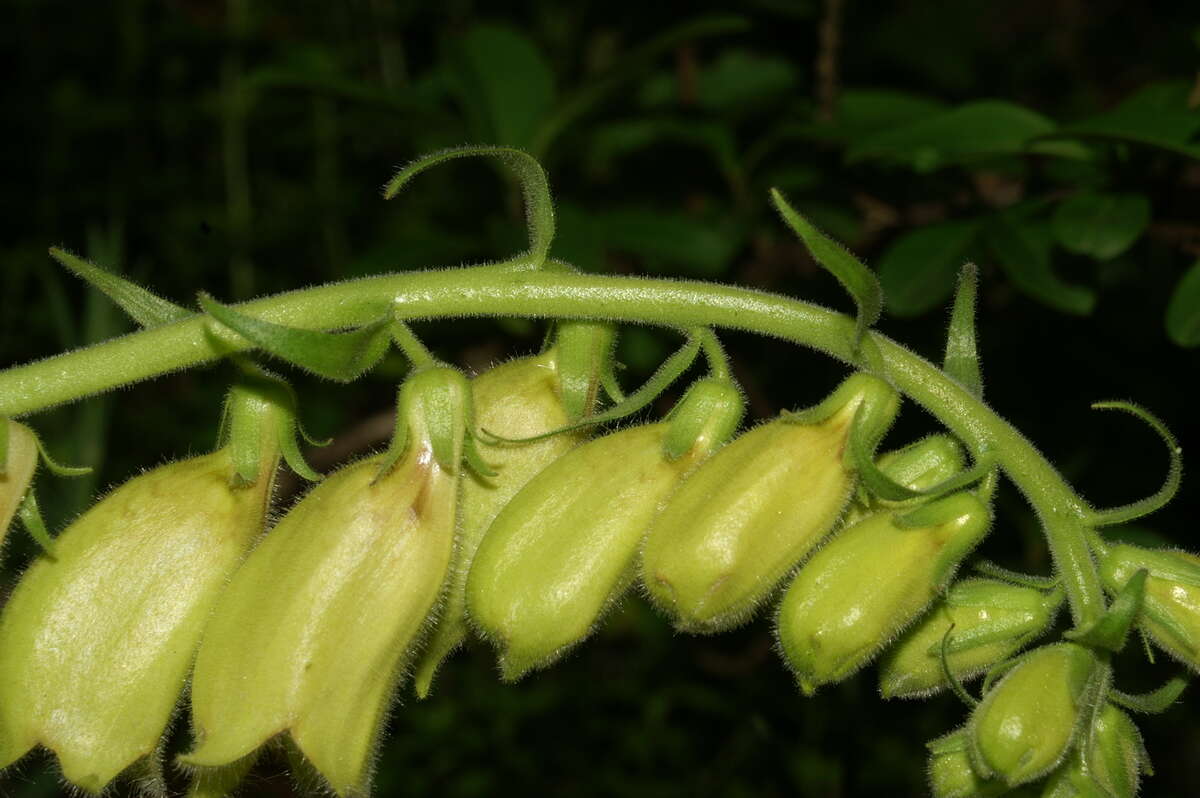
[31, 518]
[706, 417]
[859, 281]
[436, 401]
[1111, 630]
[962, 358]
[584, 355]
[879, 405]
[539, 209]
[342, 357]
[474, 459]
[146, 308]
[3, 445]
[1130, 512]
[956, 686]
[989, 568]
[259, 424]
[57, 468]
[669, 371]
[1155, 701]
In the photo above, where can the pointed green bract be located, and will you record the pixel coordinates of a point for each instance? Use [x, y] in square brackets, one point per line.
[754, 510]
[20, 462]
[962, 359]
[1025, 725]
[517, 399]
[852, 598]
[562, 551]
[337, 356]
[144, 307]
[311, 635]
[992, 620]
[127, 593]
[859, 281]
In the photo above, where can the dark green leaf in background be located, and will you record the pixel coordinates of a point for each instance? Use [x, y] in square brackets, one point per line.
[1183, 311]
[986, 128]
[505, 83]
[1158, 115]
[919, 270]
[1101, 225]
[1024, 248]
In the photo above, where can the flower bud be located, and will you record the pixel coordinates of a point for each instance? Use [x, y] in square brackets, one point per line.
[857, 592]
[19, 461]
[751, 512]
[515, 400]
[1110, 768]
[1026, 724]
[96, 641]
[918, 466]
[561, 552]
[1171, 606]
[311, 634]
[951, 774]
[991, 620]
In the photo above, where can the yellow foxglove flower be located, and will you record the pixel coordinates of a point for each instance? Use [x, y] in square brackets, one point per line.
[854, 595]
[96, 641]
[518, 399]
[755, 509]
[562, 551]
[311, 635]
[20, 461]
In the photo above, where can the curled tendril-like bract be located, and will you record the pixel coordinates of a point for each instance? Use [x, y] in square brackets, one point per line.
[1134, 510]
[539, 209]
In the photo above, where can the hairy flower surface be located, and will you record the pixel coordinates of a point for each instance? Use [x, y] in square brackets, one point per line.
[753, 511]
[563, 549]
[97, 640]
[1026, 724]
[991, 620]
[310, 636]
[515, 400]
[857, 592]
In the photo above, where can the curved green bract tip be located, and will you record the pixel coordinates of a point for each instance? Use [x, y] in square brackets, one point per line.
[56, 468]
[859, 281]
[539, 209]
[948, 674]
[1155, 701]
[670, 370]
[1161, 497]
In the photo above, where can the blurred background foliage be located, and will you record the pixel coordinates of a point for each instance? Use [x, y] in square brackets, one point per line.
[237, 148]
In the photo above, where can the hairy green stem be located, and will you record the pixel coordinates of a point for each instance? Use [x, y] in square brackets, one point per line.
[508, 290]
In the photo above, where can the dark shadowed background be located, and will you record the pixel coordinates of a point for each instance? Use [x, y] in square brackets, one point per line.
[238, 148]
